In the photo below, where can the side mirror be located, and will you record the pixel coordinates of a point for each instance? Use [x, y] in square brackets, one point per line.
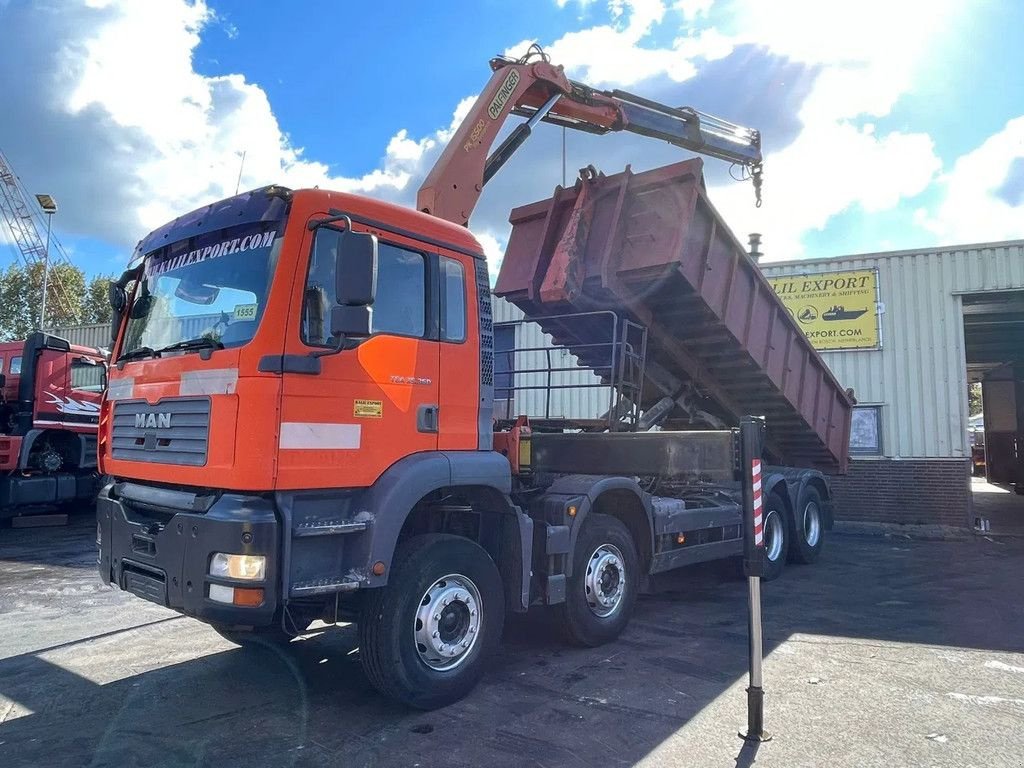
[351, 322]
[3, 381]
[118, 297]
[355, 274]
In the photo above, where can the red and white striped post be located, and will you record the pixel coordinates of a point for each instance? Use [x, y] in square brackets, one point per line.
[751, 448]
[755, 484]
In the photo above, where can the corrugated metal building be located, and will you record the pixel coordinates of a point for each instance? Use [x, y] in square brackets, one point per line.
[577, 393]
[96, 335]
[947, 316]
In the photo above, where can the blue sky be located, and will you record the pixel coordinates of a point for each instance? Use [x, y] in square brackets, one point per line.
[886, 125]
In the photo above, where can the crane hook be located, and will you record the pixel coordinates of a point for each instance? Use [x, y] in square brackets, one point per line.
[755, 173]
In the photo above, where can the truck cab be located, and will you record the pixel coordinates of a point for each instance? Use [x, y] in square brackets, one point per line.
[50, 393]
[237, 406]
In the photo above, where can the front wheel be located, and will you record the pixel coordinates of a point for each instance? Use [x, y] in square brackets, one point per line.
[602, 590]
[425, 637]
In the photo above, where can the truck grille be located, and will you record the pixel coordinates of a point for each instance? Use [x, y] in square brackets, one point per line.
[173, 431]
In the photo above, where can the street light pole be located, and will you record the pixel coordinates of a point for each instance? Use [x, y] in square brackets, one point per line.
[46, 273]
[49, 206]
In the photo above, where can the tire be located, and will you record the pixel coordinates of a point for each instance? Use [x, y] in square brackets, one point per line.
[602, 590]
[808, 527]
[400, 649]
[776, 536]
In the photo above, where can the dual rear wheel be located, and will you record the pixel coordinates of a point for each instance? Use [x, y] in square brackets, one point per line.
[797, 537]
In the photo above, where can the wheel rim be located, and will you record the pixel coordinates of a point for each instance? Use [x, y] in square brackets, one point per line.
[447, 623]
[605, 582]
[812, 524]
[773, 535]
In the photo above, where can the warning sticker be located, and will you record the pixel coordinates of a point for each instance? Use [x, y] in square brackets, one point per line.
[368, 409]
[245, 311]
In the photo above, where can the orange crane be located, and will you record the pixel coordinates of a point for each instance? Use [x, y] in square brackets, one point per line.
[24, 229]
[533, 87]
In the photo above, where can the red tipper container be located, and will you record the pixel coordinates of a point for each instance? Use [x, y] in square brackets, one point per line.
[651, 247]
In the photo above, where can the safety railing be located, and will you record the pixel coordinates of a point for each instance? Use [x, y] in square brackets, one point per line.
[604, 352]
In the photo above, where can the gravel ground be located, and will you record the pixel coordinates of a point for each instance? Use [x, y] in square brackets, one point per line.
[890, 651]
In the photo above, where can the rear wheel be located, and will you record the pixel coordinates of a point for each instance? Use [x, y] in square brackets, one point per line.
[603, 588]
[808, 526]
[425, 637]
[776, 536]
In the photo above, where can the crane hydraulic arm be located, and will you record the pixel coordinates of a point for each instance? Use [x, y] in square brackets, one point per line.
[534, 88]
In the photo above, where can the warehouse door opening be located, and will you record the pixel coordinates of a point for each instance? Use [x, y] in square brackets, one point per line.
[994, 346]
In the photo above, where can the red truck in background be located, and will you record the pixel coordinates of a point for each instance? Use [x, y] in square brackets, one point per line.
[50, 392]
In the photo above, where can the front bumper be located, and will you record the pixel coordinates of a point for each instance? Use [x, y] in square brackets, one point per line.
[162, 554]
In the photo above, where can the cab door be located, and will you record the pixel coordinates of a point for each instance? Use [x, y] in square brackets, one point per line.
[370, 405]
[460, 356]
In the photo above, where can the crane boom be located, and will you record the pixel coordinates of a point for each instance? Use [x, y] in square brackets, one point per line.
[535, 89]
[24, 229]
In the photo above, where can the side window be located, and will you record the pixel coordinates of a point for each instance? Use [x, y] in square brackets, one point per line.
[400, 306]
[866, 431]
[318, 297]
[88, 377]
[15, 366]
[504, 371]
[453, 300]
[1, 365]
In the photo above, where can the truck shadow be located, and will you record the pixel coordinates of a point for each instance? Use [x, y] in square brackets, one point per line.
[70, 546]
[174, 694]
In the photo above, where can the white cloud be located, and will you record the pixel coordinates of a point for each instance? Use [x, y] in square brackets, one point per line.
[613, 53]
[859, 69]
[982, 197]
[137, 136]
[691, 9]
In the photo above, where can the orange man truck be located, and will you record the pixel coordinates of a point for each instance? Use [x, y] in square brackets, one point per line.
[300, 422]
[50, 395]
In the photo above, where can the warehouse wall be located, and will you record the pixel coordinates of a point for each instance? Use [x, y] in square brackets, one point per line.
[96, 335]
[575, 402]
[918, 377]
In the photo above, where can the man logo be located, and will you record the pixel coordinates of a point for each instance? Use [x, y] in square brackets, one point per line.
[152, 421]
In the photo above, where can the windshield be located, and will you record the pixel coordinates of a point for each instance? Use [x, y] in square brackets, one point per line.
[208, 290]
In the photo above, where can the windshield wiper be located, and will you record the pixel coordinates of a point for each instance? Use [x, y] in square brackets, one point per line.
[139, 352]
[203, 342]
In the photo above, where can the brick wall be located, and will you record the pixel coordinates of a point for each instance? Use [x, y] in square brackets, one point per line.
[914, 491]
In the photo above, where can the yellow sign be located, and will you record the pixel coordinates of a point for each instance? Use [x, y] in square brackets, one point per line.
[368, 409]
[835, 310]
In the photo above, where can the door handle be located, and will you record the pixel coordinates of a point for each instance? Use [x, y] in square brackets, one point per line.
[427, 418]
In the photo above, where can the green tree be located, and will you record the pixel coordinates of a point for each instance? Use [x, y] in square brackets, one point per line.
[21, 291]
[974, 398]
[96, 304]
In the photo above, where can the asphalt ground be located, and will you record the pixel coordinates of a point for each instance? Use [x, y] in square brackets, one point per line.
[888, 652]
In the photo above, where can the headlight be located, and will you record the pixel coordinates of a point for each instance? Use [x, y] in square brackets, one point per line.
[250, 567]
